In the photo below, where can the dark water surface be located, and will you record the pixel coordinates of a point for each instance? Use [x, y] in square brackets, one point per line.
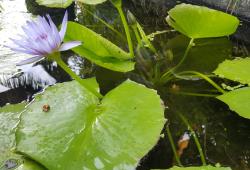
[224, 136]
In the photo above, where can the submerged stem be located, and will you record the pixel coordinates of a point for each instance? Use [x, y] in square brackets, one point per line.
[197, 143]
[60, 62]
[205, 78]
[126, 28]
[173, 146]
[166, 75]
[195, 94]
[138, 38]
[105, 23]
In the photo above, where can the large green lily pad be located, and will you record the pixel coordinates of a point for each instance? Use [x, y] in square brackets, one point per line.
[238, 101]
[201, 22]
[236, 70]
[9, 117]
[98, 49]
[79, 132]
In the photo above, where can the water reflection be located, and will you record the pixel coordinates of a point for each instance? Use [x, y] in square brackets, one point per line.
[14, 15]
[3, 88]
[34, 76]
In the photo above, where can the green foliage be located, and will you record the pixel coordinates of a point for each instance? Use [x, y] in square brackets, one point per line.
[201, 22]
[236, 70]
[98, 49]
[238, 101]
[79, 132]
[209, 167]
[92, 2]
[9, 117]
[55, 3]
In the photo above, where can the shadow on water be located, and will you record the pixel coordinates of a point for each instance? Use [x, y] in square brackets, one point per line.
[224, 135]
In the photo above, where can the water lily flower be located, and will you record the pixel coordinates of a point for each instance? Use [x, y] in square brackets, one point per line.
[42, 38]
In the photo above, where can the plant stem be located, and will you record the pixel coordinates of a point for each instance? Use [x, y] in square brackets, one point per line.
[146, 39]
[195, 94]
[166, 75]
[126, 28]
[205, 78]
[203, 160]
[173, 146]
[138, 38]
[60, 62]
[152, 35]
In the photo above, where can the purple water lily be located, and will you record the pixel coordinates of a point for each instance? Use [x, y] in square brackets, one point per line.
[42, 38]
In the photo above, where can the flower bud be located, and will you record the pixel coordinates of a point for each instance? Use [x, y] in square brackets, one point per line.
[131, 18]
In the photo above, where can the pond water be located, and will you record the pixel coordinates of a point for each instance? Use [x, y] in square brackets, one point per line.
[225, 136]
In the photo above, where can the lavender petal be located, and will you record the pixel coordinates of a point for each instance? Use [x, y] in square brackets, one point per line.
[47, 30]
[54, 31]
[31, 52]
[69, 45]
[30, 60]
[23, 46]
[64, 25]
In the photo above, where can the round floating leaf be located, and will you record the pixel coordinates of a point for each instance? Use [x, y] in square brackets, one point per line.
[79, 132]
[9, 117]
[201, 22]
[92, 2]
[209, 167]
[238, 101]
[55, 3]
[236, 70]
[98, 49]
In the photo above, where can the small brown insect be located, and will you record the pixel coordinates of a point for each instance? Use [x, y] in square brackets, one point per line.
[46, 108]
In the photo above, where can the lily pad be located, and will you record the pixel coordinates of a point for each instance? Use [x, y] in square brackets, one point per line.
[236, 70]
[80, 132]
[55, 3]
[98, 49]
[209, 167]
[9, 118]
[238, 101]
[201, 22]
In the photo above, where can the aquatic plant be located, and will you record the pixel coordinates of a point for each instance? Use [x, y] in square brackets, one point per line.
[41, 38]
[198, 22]
[204, 23]
[80, 124]
[237, 98]
[116, 3]
[92, 131]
